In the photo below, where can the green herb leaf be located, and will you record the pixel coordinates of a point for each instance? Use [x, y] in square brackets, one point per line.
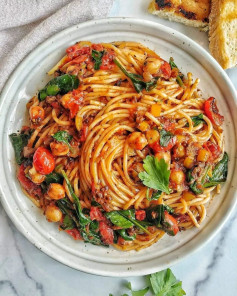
[117, 219]
[165, 137]
[19, 141]
[197, 120]
[142, 292]
[53, 178]
[63, 136]
[193, 185]
[156, 195]
[83, 220]
[59, 85]
[164, 283]
[97, 57]
[179, 78]
[125, 236]
[156, 174]
[220, 172]
[67, 223]
[137, 80]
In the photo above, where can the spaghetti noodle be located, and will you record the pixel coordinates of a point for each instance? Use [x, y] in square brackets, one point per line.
[121, 146]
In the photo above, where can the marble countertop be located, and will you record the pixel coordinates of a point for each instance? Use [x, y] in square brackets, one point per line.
[26, 271]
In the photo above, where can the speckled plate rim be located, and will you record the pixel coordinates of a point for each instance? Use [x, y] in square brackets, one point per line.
[149, 266]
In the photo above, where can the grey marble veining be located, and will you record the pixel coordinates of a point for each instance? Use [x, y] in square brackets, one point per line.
[26, 271]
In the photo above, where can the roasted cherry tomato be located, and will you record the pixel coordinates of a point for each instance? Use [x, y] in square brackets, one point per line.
[165, 70]
[43, 161]
[158, 148]
[140, 215]
[212, 112]
[213, 148]
[106, 233]
[173, 228]
[74, 233]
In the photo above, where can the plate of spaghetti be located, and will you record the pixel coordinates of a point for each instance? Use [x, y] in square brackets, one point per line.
[119, 161]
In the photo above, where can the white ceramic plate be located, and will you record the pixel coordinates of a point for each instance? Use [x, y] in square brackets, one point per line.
[31, 75]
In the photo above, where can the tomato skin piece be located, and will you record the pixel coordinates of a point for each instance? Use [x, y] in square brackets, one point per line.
[212, 112]
[108, 61]
[106, 233]
[140, 215]
[97, 47]
[76, 50]
[174, 228]
[43, 161]
[158, 148]
[214, 149]
[95, 214]
[165, 70]
[74, 233]
[27, 184]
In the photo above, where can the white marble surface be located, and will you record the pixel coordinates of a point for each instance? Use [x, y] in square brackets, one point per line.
[26, 271]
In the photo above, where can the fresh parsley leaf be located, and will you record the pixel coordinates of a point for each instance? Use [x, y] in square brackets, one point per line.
[164, 283]
[142, 292]
[97, 57]
[156, 174]
[64, 137]
[19, 141]
[137, 80]
[220, 172]
[165, 137]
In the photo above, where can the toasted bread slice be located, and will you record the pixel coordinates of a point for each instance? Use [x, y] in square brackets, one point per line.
[189, 12]
[223, 32]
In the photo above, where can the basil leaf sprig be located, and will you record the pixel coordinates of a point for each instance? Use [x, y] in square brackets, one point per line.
[59, 85]
[156, 174]
[64, 137]
[19, 141]
[97, 57]
[137, 80]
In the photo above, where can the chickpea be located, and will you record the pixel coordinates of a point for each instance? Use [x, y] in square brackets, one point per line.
[177, 177]
[179, 151]
[152, 136]
[35, 176]
[56, 191]
[151, 67]
[59, 149]
[137, 141]
[36, 114]
[53, 213]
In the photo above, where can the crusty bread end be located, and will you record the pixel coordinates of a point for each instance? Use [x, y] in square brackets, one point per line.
[189, 12]
[223, 32]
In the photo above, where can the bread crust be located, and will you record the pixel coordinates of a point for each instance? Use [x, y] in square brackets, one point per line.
[189, 12]
[223, 32]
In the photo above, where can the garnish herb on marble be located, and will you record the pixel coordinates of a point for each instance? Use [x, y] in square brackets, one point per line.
[162, 283]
